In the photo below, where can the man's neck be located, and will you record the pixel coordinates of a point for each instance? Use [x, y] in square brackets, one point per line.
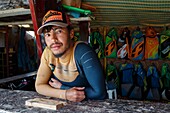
[67, 54]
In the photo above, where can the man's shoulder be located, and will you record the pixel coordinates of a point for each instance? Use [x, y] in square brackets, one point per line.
[81, 48]
[47, 53]
[46, 50]
[81, 44]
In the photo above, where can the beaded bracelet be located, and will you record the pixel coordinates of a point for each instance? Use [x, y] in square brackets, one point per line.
[66, 94]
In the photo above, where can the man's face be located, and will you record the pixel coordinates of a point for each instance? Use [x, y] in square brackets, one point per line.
[58, 39]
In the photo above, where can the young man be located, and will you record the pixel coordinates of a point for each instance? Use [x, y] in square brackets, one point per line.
[77, 72]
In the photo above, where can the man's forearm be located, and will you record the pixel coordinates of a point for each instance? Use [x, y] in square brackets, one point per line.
[47, 90]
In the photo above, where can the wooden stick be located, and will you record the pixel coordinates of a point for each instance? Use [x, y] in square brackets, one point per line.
[87, 6]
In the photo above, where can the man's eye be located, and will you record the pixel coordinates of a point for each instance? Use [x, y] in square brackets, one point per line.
[47, 34]
[58, 31]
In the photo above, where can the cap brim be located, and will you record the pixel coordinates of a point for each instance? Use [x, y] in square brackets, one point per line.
[60, 24]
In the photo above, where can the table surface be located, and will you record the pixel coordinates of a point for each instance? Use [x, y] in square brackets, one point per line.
[13, 101]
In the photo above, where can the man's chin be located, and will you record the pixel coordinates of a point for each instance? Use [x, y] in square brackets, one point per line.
[58, 55]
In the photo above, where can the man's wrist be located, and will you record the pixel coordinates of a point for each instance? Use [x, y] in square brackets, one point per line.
[66, 94]
[62, 94]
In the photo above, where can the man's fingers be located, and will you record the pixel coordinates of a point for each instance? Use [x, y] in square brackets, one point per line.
[75, 94]
[54, 83]
[52, 80]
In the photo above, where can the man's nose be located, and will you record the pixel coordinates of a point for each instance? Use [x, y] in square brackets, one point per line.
[54, 37]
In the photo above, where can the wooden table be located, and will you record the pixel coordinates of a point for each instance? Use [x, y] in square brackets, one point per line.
[13, 101]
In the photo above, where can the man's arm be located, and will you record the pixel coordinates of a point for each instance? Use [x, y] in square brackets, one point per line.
[42, 85]
[42, 79]
[92, 68]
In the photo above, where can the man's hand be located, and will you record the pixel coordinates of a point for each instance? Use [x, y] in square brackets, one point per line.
[55, 83]
[75, 94]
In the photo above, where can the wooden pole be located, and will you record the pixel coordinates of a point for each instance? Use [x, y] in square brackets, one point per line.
[37, 12]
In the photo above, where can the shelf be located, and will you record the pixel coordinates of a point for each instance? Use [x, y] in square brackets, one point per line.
[16, 23]
[14, 12]
[81, 19]
[18, 77]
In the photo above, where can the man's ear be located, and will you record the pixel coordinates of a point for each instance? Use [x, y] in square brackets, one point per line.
[72, 34]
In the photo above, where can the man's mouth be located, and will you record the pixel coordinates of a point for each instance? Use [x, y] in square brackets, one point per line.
[55, 46]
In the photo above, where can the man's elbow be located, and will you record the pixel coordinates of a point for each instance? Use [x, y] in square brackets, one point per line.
[38, 88]
[100, 96]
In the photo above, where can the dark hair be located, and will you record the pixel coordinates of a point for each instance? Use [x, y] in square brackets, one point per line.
[48, 28]
[69, 28]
